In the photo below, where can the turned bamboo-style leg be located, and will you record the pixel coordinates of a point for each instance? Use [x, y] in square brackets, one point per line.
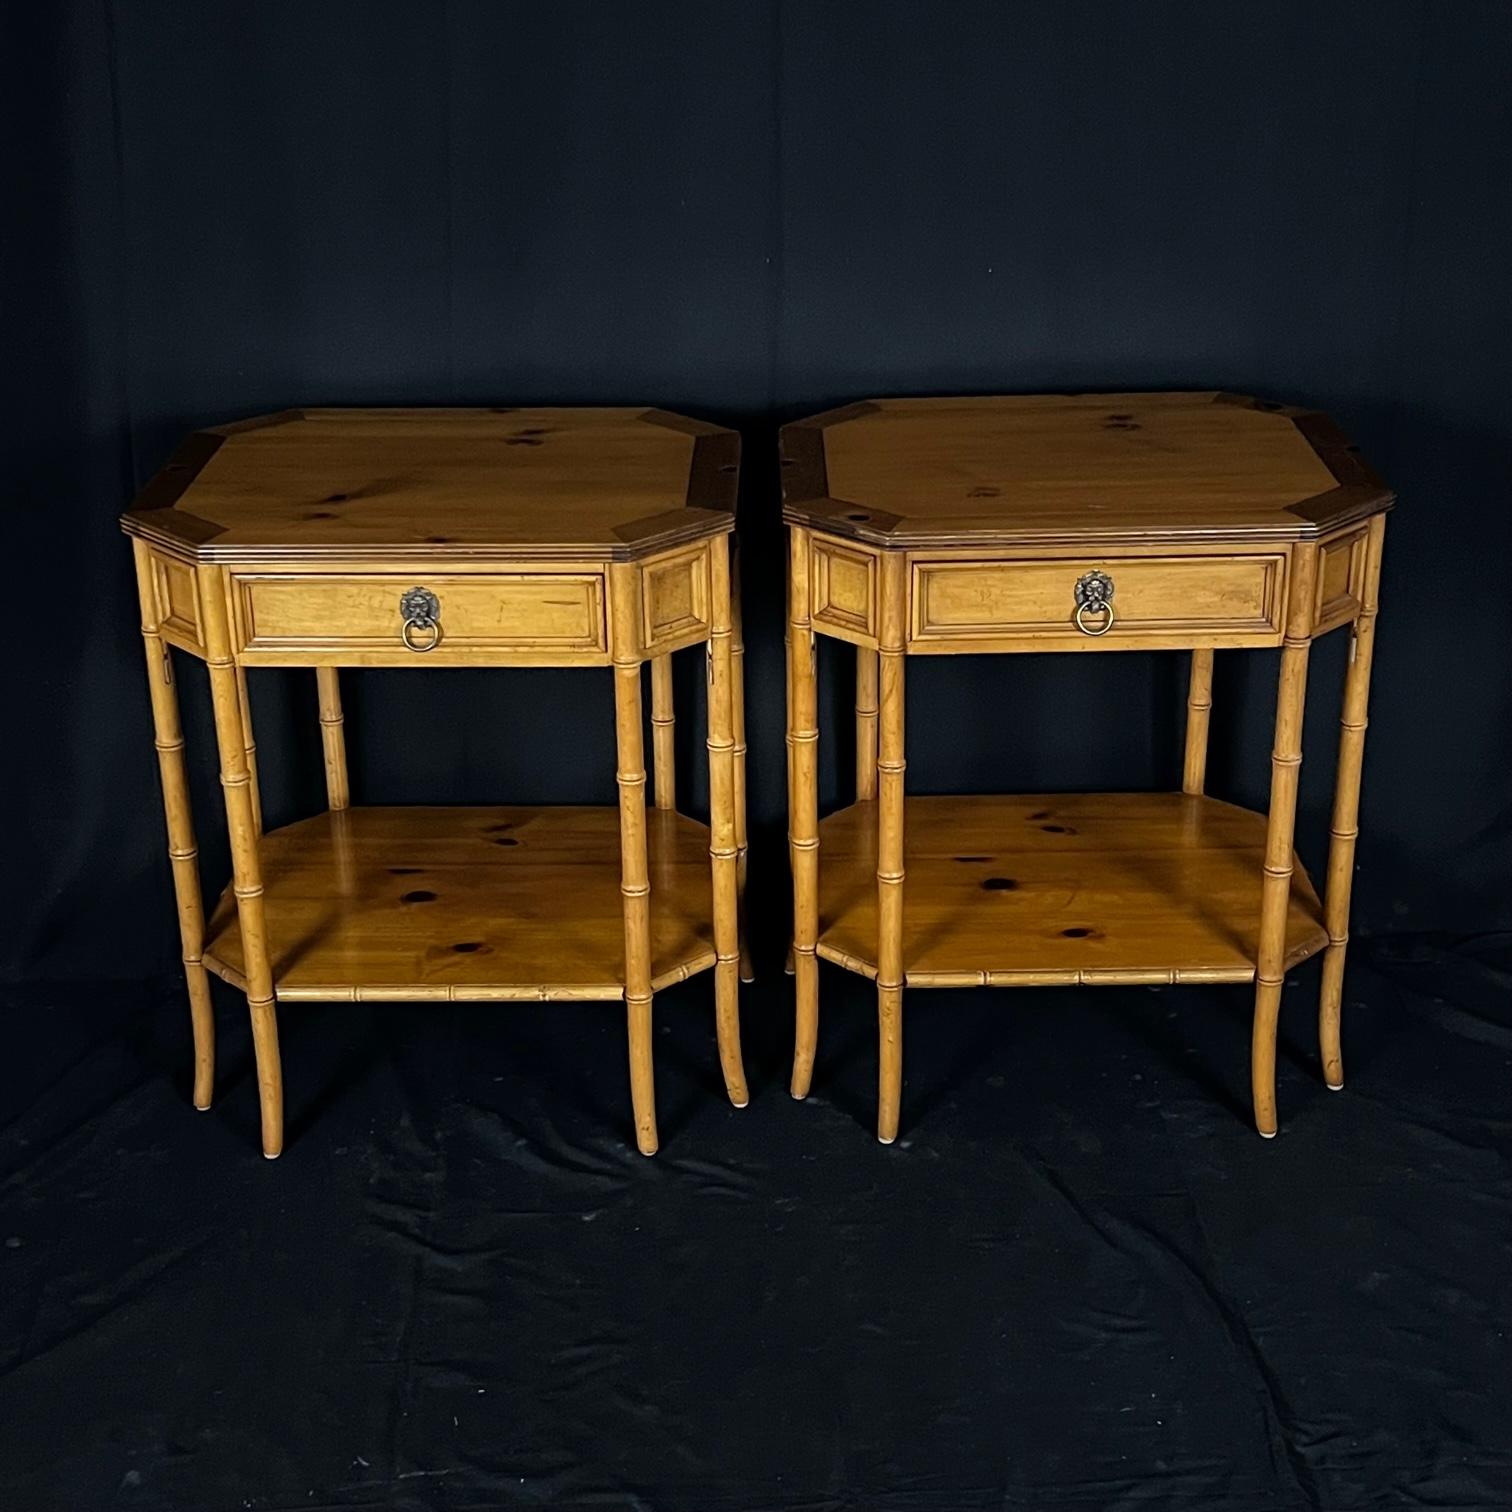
[249, 745]
[1199, 708]
[333, 738]
[663, 732]
[242, 824]
[723, 851]
[787, 683]
[1275, 894]
[891, 640]
[742, 842]
[635, 879]
[803, 812]
[866, 723]
[1346, 809]
[168, 736]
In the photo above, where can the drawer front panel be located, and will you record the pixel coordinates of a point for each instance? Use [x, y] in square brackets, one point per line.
[1153, 599]
[515, 612]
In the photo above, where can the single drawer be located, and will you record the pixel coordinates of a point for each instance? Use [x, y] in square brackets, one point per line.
[1133, 601]
[397, 617]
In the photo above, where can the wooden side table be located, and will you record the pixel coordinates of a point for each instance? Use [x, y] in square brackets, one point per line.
[937, 527]
[452, 538]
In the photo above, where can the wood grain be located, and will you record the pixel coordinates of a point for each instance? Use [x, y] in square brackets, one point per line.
[547, 538]
[183, 852]
[1066, 888]
[469, 904]
[892, 638]
[1199, 711]
[663, 732]
[415, 485]
[1021, 469]
[244, 826]
[333, 737]
[866, 722]
[988, 605]
[280, 616]
[742, 838]
[724, 853]
[803, 811]
[1224, 523]
[1345, 825]
[1280, 862]
[635, 880]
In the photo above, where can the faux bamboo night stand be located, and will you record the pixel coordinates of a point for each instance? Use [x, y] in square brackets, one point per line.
[452, 538]
[938, 527]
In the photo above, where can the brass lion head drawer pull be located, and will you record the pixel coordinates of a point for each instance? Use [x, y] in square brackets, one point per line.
[422, 614]
[1094, 595]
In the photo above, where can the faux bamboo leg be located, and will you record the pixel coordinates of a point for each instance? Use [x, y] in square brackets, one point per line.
[249, 745]
[1346, 810]
[168, 736]
[635, 882]
[1199, 707]
[803, 812]
[787, 682]
[333, 738]
[723, 852]
[866, 722]
[663, 731]
[1275, 894]
[890, 767]
[742, 845]
[241, 822]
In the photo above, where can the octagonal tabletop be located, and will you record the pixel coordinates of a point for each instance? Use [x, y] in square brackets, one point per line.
[1056, 469]
[422, 484]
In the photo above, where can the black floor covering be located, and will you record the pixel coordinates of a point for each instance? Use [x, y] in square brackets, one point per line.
[1079, 1280]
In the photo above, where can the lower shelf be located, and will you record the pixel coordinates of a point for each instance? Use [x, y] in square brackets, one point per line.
[416, 904]
[1085, 888]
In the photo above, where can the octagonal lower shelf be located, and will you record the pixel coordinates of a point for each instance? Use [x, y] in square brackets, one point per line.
[1102, 888]
[417, 904]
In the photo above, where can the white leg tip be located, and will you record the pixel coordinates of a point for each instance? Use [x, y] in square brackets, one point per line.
[1334, 1086]
[1264, 1135]
[202, 1107]
[273, 1156]
[886, 1138]
[745, 1104]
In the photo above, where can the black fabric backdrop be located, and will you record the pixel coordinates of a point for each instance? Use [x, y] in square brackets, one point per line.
[749, 211]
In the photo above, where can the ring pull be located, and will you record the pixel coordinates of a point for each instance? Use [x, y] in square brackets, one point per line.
[1094, 595]
[422, 612]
